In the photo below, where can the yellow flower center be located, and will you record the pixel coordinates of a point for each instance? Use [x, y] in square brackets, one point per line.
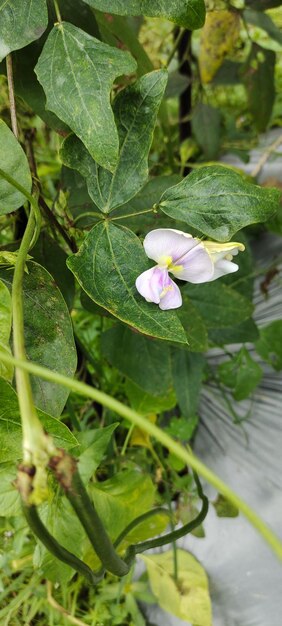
[167, 262]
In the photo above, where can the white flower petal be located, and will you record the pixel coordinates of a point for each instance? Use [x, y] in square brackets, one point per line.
[167, 244]
[150, 284]
[195, 267]
[172, 299]
[223, 267]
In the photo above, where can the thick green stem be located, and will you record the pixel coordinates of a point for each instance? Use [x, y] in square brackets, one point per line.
[36, 445]
[35, 442]
[173, 446]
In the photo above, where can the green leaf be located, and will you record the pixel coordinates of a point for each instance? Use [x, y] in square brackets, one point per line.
[182, 428]
[269, 345]
[10, 426]
[61, 521]
[187, 373]
[146, 403]
[219, 305]
[144, 360]
[188, 600]
[218, 202]
[21, 22]
[206, 122]
[224, 508]
[6, 371]
[263, 5]
[29, 89]
[135, 110]
[264, 21]
[193, 325]
[14, 162]
[241, 374]
[10, 504]
[258, 78]
[93, 446]
[238, 333]
[78, 13]
[48, 253]
[77, 72]
[48, 334]
[106, 267]
[122, 498]
[187, 13]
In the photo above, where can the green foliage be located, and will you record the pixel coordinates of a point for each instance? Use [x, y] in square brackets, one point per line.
[135, 110]
[218, 202]
[50, 255]
[269, 344]
[48, 334]
[241, 374]
[98, 103]
[258, 77]
[21, 23]
[187, 372]
[144, 360]
[70, 91]
[10, 426]
[93, 446]
[122, 498]
[224, 508]
[190, 600]
[9, 498]
[108, 277]
[206, 124]
[6, 371]
[14, 162]
[194, 326]
[146, 403]
[219, 305]
[190, 13]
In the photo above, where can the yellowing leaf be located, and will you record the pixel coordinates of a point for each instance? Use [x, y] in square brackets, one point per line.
[140, 437]
[220, 33]
[189, 599]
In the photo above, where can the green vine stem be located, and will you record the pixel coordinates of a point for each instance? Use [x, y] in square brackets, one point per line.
[56, 549]
[64, 467]
[158, 510]
[175, 534]
[36, 444]
[154, 431]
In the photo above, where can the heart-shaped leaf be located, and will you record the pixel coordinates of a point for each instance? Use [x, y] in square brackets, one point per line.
[48, 334]
[135, 110]
[14, 162]
[77, 72]
[22, 21]
[218, 202]
[106, 266]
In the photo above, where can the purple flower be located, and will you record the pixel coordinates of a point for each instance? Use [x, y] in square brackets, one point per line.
[187, 258]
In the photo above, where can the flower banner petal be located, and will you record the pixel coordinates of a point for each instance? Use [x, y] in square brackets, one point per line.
[162, 243]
